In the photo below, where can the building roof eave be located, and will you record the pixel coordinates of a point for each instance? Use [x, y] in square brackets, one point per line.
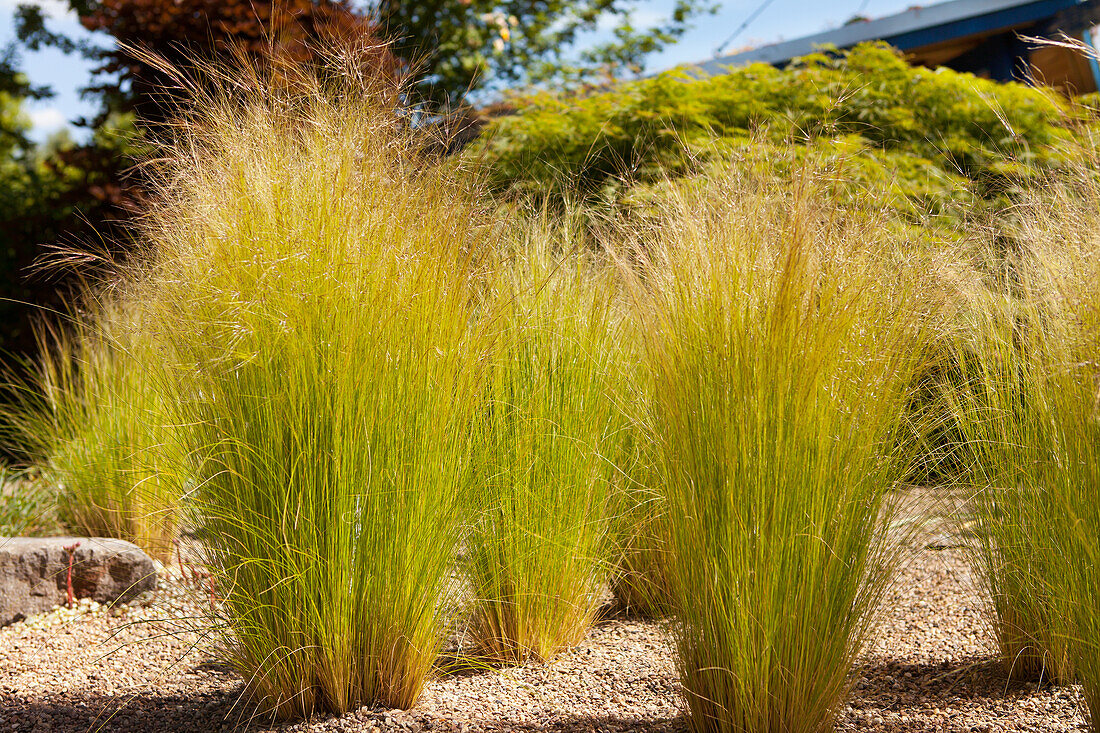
[912, 28]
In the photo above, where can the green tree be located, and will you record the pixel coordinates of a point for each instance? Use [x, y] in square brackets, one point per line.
[20, 171]
[14, 88]
[454, 47]
[53, 193]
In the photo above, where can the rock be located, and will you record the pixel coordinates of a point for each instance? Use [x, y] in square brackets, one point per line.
[33, 573]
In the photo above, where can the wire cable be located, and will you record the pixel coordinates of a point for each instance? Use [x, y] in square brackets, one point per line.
[748, 21]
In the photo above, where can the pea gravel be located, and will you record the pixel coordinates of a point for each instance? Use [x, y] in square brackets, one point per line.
[141, 668]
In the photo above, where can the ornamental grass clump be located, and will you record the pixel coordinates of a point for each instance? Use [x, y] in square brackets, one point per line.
[1001, 400]
[1063, 237]
[94, 427]
[312, 280]
[539, 553]
[784, 337]
[1028, 406]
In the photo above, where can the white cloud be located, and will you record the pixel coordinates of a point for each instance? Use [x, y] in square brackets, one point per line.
[47, 120]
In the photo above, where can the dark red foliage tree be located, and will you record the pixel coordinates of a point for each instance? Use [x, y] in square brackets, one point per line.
[180, 31]
[86, 194]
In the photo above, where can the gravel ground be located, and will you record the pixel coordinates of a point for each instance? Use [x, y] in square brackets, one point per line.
[932, 668]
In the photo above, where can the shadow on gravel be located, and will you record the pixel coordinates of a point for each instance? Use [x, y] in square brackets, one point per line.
[979, 676]
[459, 666]
[224, 711]
[146, 713]
[899, 684]
[885, 686]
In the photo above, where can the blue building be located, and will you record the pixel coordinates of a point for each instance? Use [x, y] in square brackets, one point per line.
[984, 37]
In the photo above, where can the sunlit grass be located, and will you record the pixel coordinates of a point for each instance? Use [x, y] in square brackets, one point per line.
[312, 284]
[1027, 402]
[94, 428]
[1062, 232]
[783, 341]
[1001, 403]
[539, 551]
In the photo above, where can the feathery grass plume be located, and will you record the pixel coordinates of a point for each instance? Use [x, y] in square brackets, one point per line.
[1027, 405]
[1001, 402]
[313, 280]
[1060, 288]
[539, 554]
[784, 336]
[94, 427]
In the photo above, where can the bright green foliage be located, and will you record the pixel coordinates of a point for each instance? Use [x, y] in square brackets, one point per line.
[538, 555]
[13, 125]
[782, 354]
[929, 140]
[312, 287]
[95, 429]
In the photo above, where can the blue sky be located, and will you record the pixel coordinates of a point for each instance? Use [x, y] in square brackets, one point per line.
[782, 19]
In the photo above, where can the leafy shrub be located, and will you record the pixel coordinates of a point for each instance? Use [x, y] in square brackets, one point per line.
[930, 141]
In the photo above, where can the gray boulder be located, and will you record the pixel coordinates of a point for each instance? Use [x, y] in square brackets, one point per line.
[33, 573]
